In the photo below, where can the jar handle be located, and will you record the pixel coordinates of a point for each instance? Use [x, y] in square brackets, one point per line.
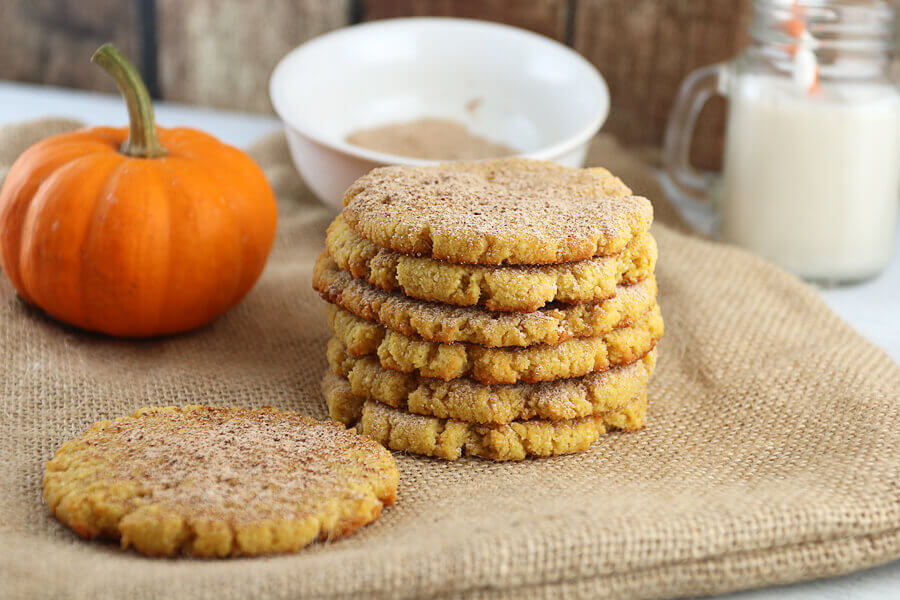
[695, 90]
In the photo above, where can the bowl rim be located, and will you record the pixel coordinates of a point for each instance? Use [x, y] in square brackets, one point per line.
[545, 153]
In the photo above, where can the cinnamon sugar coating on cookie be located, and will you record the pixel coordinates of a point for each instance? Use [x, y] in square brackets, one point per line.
[511, 288]
[501, 212]
[468, 400]
[218, 482]
[450, 439]
[445, 323]
[541, 362]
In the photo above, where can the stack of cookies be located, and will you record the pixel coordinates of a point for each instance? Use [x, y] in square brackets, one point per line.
[500, 309]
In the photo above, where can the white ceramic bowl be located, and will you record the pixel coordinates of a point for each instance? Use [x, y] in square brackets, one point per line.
[532, 93]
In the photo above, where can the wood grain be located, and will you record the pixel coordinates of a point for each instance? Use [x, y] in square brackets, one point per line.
[51, 41]
[547, 17]
[221, 52]
[645, 48]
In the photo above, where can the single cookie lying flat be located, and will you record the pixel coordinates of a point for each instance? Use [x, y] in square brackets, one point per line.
[468, 400]
[450, 439]
[448, 324]
[542, 362]
[507, 211]
[505, 288]
[218, 482]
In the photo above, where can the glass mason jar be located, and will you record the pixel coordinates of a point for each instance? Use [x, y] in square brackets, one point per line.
[811, 174]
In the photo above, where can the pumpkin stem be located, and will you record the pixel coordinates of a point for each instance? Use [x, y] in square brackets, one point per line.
[142, 140]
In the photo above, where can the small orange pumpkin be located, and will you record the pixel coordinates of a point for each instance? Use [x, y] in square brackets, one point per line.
[135, 232]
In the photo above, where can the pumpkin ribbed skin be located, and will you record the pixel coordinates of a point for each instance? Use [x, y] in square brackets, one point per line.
[135, 247]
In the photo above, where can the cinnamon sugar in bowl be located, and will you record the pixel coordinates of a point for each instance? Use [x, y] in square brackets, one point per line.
[510, 87]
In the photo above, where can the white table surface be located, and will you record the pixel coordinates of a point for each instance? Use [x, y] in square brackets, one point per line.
[873, 308]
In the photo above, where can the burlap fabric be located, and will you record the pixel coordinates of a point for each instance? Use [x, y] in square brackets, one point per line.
[772, 452]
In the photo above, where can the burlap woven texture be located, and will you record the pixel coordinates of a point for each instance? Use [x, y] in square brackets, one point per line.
[772, 452]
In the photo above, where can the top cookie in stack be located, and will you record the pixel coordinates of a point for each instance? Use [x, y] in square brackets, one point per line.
[503, 308]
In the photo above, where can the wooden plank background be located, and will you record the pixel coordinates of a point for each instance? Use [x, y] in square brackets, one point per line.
[51, 41]
[220, 52]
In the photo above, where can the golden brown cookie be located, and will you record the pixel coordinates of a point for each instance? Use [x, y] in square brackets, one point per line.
[448, 324]
[510, 211]
[468, 400]
[218, 482]
[541, 362]
[505, 288]
[450, 439]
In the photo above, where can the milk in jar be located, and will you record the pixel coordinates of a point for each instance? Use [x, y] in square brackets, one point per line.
[811, 181]
[811, 170]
